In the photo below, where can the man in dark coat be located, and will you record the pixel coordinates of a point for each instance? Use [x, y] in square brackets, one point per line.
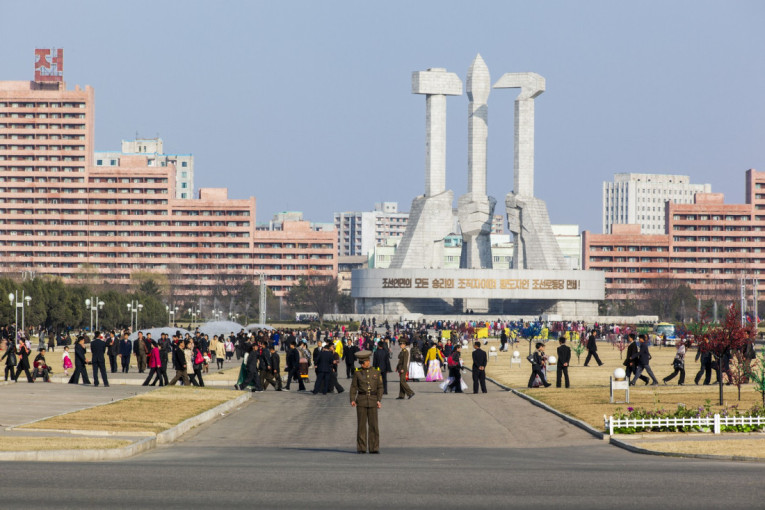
[180, 365]
[253, 361]
[382, 363]
[349, 356]
[113, 349]
[293, 367]
[79, 363]
[644, 360]
[631, 359]
[564, 358]
[592, 350]
[126, 347]
[324, 360]
[97, 351]
[333, 384]
[479, 368]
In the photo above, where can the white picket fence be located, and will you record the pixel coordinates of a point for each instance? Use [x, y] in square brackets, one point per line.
[716, 422]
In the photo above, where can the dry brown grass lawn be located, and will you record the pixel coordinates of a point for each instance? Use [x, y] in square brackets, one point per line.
[23, 444]
[588, 397]
[738, 447]
[151, 412]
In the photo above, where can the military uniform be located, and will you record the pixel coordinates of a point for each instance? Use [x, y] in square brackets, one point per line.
[367, 392]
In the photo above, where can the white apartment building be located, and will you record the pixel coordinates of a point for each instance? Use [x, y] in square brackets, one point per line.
[359, 232]
[640, 198]
[153, 148]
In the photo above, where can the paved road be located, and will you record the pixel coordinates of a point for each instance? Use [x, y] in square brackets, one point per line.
[296, 450]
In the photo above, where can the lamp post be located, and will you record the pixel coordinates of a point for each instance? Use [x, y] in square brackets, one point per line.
[93, 305]
[171, 314]
[134, 307]
[194, 314]
[19, 303]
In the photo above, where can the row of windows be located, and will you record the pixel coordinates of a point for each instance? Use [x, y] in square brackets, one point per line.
[42, 104]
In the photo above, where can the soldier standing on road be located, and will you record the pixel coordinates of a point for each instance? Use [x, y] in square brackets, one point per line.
[366, 397]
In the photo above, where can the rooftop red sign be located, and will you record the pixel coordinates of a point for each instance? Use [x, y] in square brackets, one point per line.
[49, 64]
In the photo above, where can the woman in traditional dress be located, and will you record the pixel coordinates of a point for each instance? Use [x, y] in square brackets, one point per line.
[433, 360]
[416, 370]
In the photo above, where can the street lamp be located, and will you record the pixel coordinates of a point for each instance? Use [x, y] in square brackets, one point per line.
[134, 307]
[194, 314]
[20, 303]
[171, 314]
[93, 305]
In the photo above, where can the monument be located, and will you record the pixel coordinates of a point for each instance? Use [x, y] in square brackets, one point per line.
[416, 281]
[535, 245]
[430, 218]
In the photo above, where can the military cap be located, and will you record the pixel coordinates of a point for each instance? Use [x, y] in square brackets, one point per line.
[363, 356]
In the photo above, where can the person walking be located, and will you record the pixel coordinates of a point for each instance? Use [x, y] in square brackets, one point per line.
[592, 349]
[113, 350]
[678, 364]
[538, 361]
[275, 367]
[11, 358]
[366, 396]
[382, 363]
[180, 366]
[403, 364]
[564, 358]
[126, 348]
[705, 368]
[23, 362]
[433, 362]
[349, 356]
[455, 370]
[631, 359]
[323, 363]
[220, 353]
[644, 360]
[155, 366]
[479, 368]
[79, 363]
[98, 361]
[292, 362]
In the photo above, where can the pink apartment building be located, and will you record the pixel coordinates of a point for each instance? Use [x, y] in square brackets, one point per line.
[61, 215]
[709, 245]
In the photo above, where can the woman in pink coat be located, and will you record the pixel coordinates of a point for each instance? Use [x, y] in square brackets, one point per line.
[155, 364]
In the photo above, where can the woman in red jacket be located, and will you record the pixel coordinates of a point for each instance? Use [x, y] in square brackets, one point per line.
[155, 365]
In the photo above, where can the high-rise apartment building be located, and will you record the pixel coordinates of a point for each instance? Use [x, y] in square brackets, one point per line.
[61, 215]
[640, 198]
[709, 246]
[359, 232]
[153, 149]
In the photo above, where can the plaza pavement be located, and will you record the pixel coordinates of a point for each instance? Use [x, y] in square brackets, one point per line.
[297, 450]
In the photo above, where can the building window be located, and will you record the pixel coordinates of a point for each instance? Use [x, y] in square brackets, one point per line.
[184, 164]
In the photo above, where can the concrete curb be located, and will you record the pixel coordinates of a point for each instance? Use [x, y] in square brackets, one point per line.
[81, 455]
[616, 442]
[167, 436]
[578, 423]
[139, 382]
[171, 434]
[636, 449]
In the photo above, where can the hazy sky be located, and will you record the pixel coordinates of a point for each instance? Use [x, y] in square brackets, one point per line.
[308, 106]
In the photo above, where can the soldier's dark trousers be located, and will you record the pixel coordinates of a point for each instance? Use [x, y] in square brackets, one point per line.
[367, 417]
